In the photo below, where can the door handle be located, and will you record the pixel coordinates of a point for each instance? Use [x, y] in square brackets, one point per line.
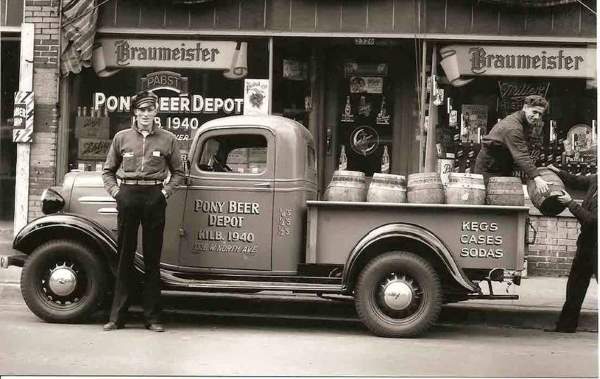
[262, 185]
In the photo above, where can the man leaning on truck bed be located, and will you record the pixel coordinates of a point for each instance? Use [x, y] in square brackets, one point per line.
[141, 158]
[506, 144]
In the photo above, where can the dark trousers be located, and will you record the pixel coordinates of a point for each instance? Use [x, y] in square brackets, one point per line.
[585, 264]
[145, 205]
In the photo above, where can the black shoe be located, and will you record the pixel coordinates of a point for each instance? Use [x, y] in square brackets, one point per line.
[111, 325]
[559, 330]
[155, 327]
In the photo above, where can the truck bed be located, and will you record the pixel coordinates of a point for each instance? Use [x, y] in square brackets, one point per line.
[477, 236]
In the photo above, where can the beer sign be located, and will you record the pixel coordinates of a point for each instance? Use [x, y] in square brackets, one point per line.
[23, 117]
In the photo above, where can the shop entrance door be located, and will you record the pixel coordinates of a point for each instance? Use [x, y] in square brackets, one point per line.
[365, 118]
[8, 149]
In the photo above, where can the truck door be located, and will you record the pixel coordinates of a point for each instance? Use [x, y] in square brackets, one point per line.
[229, 206]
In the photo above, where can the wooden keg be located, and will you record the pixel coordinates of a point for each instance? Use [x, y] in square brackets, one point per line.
[547, 204]
[387, 188]
[346, 186]
[505, 190]
[465, 189]
[425, 187]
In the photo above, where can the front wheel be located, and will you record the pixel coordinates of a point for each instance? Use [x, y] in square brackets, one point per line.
[63, 281]
[398, 294]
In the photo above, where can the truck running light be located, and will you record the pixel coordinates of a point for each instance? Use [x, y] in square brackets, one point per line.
[52, 201]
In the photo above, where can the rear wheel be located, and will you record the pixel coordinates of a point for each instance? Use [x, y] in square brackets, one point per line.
[398, 294]
[63, 281]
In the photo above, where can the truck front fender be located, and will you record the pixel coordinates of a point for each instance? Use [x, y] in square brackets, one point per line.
[405, 231]
[67, 226]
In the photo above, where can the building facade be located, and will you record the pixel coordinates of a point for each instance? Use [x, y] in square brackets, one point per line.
[357, 74]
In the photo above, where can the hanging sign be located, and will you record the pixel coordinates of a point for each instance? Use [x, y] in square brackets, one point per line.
[167, 80]
[117, 53]
[460, 61]
[23, 117]
[364, 140]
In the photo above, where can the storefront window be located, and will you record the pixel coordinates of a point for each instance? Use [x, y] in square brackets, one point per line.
[564, 138]
[189, 97]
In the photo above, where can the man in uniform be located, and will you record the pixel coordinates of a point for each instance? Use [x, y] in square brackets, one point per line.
[506, 144]
[141, 157]
[585, 262]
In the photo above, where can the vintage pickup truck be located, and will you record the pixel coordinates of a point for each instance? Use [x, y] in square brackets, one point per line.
[247, 219]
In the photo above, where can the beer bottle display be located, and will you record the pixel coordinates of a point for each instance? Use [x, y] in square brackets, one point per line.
[385, 161]
[550, 154]
[343, 160]
[468, 166]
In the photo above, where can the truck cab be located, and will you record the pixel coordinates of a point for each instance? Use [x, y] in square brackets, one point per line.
[244, 202]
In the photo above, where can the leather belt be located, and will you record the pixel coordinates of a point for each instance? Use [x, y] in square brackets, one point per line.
[141, 182]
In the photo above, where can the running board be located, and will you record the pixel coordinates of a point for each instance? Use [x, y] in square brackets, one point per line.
[493, 297]
[213, 284]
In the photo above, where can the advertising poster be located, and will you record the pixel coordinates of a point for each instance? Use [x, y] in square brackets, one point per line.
[295, 70]
[366, 84]
[256, 96]
[474, 122]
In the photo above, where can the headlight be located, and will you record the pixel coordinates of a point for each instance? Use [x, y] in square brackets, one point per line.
[52, 202]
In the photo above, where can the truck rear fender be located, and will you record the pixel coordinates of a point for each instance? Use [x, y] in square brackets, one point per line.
[406, 237]
[68, 226]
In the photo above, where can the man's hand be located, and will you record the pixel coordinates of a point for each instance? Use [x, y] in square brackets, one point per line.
[541, 185]
[164, 194]
[553, 168]
[565, 198]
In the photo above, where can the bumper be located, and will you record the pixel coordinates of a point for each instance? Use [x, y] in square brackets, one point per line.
[13, 260]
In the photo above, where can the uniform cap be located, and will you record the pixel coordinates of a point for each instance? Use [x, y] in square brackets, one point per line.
[144, 99]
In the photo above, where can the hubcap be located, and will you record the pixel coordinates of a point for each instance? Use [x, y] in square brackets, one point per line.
[63, 280]
[397, 293]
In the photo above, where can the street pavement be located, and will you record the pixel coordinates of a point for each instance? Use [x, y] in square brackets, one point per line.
[201, 345]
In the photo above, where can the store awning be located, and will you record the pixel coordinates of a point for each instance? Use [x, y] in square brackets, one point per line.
[530, 3]
[78, 32]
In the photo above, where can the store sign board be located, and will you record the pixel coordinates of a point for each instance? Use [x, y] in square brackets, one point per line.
[459, 61]
[117, 53]
[172, 104]
[167, 80]
[23, 117]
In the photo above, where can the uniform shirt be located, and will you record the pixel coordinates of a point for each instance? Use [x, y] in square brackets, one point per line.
[505, 145]
[586, 213]
[133, 156]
